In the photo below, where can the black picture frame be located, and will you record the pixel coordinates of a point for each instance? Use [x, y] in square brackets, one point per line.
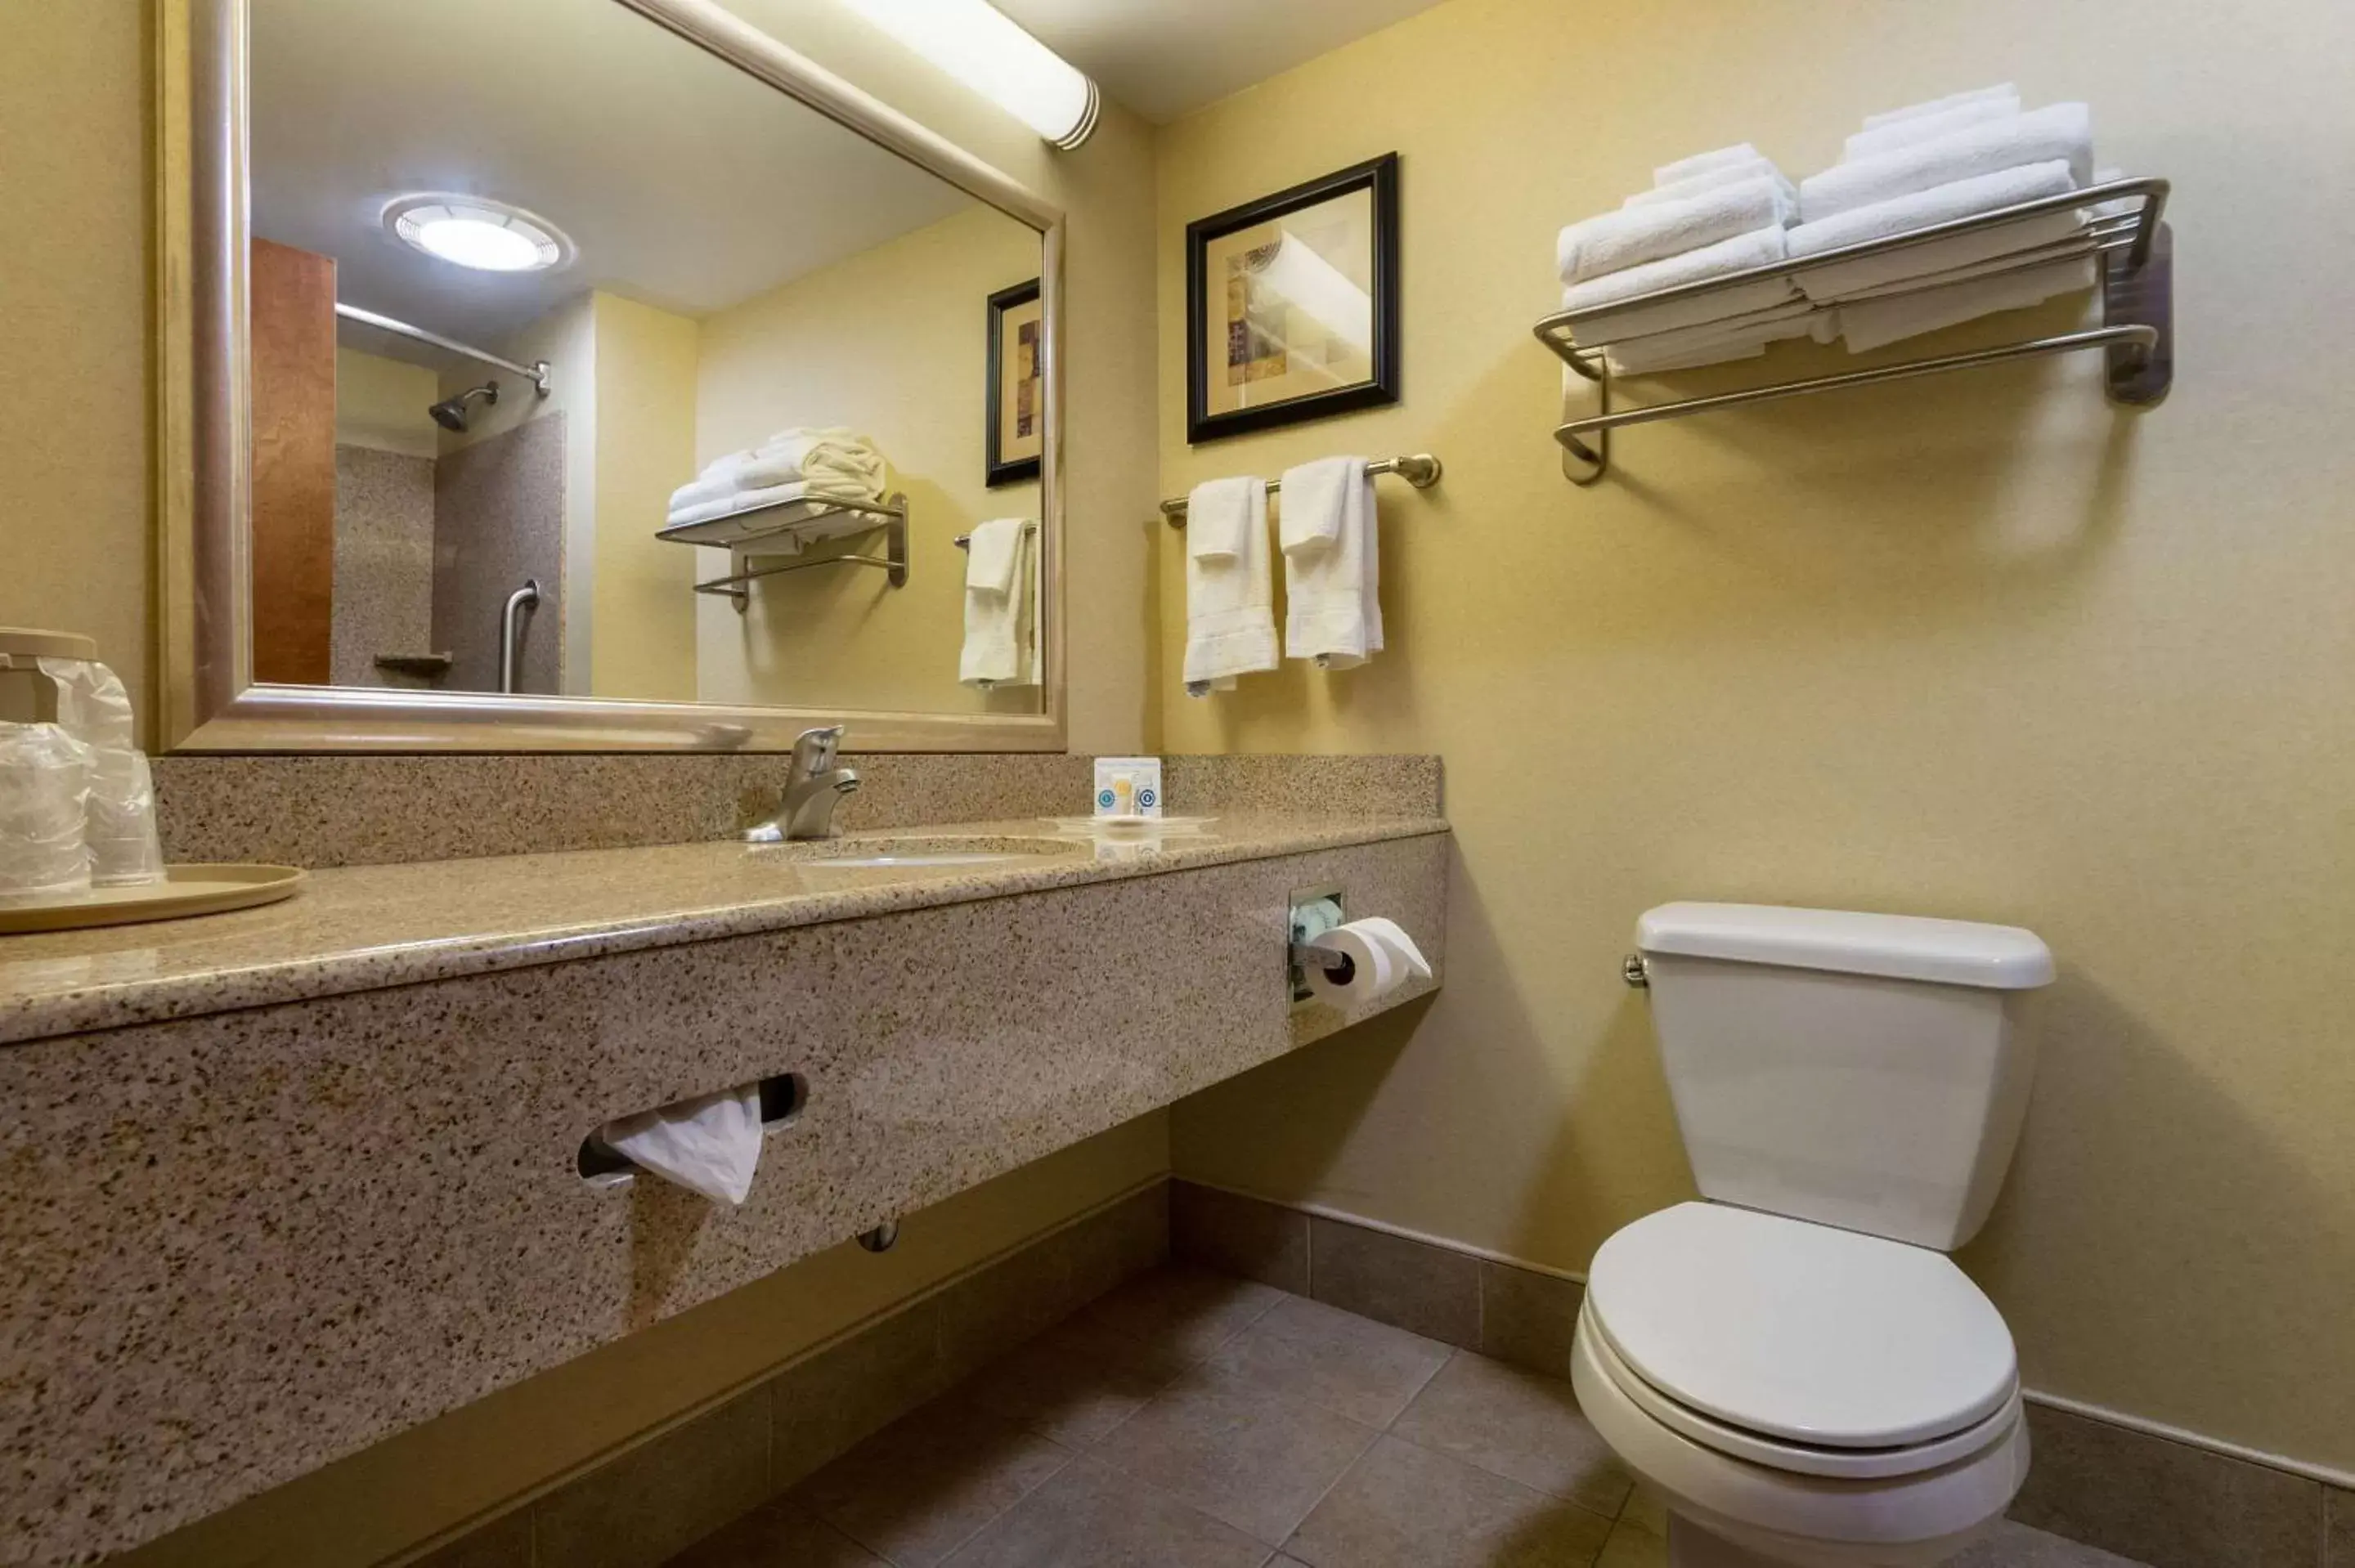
[1378, 175]
[998, 469]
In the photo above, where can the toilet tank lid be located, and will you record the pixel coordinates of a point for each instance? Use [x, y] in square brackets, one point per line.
[1902, 947]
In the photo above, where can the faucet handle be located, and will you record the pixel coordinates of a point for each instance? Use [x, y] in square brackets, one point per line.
[814, 750]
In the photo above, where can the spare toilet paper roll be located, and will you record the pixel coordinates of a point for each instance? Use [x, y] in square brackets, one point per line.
[710, 1145]
[1381, 957]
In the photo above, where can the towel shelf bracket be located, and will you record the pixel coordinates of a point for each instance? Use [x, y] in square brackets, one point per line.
[738, 585]
[2129, 238]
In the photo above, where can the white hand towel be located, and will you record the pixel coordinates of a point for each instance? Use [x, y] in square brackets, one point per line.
[1731, 174]
[1316, 495]
[1941, 105]
[1939, 204]
[1870, 324]
[1615, 241]
[1219, 516]
[1230, 601]
[710, 1145]
[2061, 131]
[1762, 248]
[1332, 587]
[1926, 127]
[1702, 163]
[991, 552]
[1001, 626]
[1712, 342]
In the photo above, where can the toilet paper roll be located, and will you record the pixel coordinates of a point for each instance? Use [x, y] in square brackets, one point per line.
[1382, 958]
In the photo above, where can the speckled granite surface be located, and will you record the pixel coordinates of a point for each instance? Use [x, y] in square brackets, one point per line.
[243, 1244]
[360, 928]
[364, 810]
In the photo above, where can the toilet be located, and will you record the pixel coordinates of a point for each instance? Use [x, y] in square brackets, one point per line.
[1794, 1364]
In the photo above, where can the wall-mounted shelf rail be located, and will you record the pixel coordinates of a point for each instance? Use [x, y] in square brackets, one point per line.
[784, 527]
[2126, 236]
[1420, 470]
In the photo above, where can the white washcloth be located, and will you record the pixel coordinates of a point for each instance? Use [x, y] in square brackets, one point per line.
[1332, 585]
[1616, 241]
[2060, 131]
[1001, 624]
[710, 1145]
[1316, 495]
[1702, 163]
[1229, 596]
[993, 552]
[1870, 324]
[1939, 204]
[1941, 105]
[1701, 183]
[1219, 516]
[1712, 342]
[1760, 249]
[1926, 127]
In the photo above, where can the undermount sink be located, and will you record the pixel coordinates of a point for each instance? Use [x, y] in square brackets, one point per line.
[905, 853]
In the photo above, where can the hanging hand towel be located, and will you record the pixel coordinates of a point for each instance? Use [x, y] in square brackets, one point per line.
[710, 1145]
[1941, 105]
[1870, 324]
[1926, 127]
[1616, 241]
[1703, 163]
[1761, 249]
[2061, 131]
[1001, 611]
[1939, 204]
[1230, 585]
[1332, 578]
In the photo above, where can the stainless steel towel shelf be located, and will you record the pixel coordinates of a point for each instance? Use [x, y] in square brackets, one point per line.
[1418, 469]
[964, 541]
[2130, 247]
[760, 532]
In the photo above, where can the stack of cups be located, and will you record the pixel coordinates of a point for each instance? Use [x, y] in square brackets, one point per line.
[77, 804]
[44, 790]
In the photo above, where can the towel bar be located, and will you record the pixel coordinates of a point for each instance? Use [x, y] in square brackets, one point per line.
[1420, 470]
[964, 541]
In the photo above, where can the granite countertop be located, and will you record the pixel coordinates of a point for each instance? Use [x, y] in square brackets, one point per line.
[363, 928]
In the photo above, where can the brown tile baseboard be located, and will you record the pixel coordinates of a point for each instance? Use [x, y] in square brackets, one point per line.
[2161, 1500]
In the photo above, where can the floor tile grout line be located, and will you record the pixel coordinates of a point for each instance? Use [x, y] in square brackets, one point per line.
[1389, 1427]
[1024, 1495]
[1356, 1459]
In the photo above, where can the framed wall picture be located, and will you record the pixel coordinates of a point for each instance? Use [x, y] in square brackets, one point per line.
[1017, 387]
[1292, 304]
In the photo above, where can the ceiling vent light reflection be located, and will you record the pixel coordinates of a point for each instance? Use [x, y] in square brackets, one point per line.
[984, 49]
[476, 232]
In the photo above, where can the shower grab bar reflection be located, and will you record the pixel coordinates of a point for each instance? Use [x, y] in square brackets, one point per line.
[538, 372]
[1420, 470]
[509, 632]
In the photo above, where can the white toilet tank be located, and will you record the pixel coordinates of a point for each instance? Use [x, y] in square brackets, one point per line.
[1865, 1071]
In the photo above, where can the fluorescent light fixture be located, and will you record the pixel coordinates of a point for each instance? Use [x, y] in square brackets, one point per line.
[984, 49]
[477, 232]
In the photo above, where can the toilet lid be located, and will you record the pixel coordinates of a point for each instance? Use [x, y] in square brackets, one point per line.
[1823, 1336]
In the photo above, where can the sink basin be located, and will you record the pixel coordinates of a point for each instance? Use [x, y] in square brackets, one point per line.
[916, 853]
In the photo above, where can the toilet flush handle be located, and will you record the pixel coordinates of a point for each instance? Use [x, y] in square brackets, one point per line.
[1632, 970]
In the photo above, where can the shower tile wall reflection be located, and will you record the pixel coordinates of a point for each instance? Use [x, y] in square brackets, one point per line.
[499, 522]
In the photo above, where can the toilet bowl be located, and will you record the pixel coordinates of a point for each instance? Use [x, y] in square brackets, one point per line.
[1792, 1364]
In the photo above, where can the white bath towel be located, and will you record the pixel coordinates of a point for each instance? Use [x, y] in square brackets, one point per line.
[1759, 249]
[838, 460]
[1702, 163]
[1332, 582]
[1714, 179]
[1616, 241]
[1001, 625]
[2061, 130]
[1941, 105]
[1868, 325]
[737, 501]
[993, 552]
[1922, 209]
[2015, 261]
[1926, 127]
[1712, 342]
[1229, 595]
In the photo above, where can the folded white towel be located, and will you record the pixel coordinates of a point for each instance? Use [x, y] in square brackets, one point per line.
[1922, 209]
[1870, 324]
[1714, 179]
[992, 550]
[1229, 598]
[1702, 163]
[1926, 127]
[737, 501]
[2061, 131]
[843, 466]
[1941, 105]
[2013, 261]
[1761, 247]
[1616, 241]
[1332, 582]
[1315, 494]
[1737, 337]
[1219, 516]
[1001, 626]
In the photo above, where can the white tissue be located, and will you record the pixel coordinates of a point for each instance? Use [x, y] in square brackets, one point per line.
[1382, 958]
[710, 1145]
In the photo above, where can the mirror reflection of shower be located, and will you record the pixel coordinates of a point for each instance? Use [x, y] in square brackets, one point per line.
[451, 412]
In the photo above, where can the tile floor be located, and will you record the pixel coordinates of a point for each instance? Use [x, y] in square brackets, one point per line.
[1189, 1420]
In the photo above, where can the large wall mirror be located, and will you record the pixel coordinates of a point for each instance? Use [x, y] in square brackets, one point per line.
[579, 374]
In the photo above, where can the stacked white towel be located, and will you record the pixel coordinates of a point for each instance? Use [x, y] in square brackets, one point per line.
[1935, 163]
[1709, 216]
[789, 464]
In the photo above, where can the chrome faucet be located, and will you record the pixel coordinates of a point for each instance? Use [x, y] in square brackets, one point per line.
[814, 785]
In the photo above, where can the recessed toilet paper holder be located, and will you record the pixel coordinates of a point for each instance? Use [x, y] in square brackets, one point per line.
[600, 1164]
[1340, 966]
[1300, 955]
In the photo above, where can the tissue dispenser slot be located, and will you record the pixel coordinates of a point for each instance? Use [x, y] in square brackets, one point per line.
[1314, 910]
[782, 1098]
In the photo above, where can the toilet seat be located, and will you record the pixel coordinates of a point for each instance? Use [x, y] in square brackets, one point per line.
[1761, 1335]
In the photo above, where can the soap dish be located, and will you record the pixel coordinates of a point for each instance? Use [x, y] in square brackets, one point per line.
[1130, 827]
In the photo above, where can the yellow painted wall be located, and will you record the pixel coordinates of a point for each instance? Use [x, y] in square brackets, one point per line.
[380, 403]
[643, 590]
[1977, 647]
[890, 343]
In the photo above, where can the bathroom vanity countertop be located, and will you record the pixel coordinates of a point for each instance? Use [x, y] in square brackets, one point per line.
[363, 928]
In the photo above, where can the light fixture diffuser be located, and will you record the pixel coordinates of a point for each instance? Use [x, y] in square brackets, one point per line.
[478, 233]
[989, 52]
